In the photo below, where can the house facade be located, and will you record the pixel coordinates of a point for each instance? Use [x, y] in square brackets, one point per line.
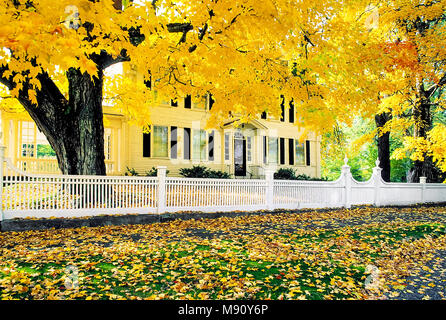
[177, 139]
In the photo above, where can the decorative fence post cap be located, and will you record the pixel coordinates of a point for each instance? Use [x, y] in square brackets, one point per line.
[345, 166]
[377, 162]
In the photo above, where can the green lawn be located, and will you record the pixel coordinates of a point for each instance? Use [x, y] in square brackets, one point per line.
[310, 255]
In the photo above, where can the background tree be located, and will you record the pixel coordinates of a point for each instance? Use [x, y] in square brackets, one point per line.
[383, 141]
[403, 54]
[415, 44]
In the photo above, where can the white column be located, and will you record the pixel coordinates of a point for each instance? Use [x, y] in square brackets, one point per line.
[346, 173]
[423, 188]
[161, 174]
[376, 176]
[269, 177]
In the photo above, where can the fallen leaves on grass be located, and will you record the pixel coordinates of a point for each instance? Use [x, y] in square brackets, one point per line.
[311, 255]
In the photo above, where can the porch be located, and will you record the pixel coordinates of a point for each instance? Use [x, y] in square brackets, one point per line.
[50, 166]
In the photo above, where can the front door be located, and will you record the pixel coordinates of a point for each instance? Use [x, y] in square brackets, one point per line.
[239, 157]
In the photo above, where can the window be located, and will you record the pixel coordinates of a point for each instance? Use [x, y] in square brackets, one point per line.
[33, 143]
[200, 104]
[307, 147]
[199, 145]
[291, 111]
[186, 153]
[227, 146]
[291, 151]
[173, 142]
[282, 106]
[146, 145]
[28, 139]
[107, 143]
[174, 103]
[211, 146]
[272, 150]
[282, 150]
[248, 148]
[27, 150]
[264, 115]
[188, 102]
[300, 154]
[160, 148]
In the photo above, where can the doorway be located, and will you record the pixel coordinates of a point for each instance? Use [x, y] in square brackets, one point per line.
[239, 156]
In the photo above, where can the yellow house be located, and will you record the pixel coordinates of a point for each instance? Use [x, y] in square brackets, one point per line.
[177, 140]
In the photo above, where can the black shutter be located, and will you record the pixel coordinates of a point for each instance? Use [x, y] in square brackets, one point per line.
[264, 115]
[188, 102]
[173, 142]
[282, 106]
[211, 146]
[186, 143]
[148, 83]
[211, 101]
[291, 115]
[282, 150]
[146, 145]
[307, 152]
[265, 151]
[291, 151]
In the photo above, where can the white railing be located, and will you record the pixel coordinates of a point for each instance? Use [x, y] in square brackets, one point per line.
[50, 166]
[38, 195]
[33, 165]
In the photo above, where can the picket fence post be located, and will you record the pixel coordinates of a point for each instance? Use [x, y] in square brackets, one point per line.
[269, 177]
[161, 174]
[346, 173]
[423, 188]
[376, 176]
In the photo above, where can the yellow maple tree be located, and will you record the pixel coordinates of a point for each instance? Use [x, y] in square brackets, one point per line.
[328, 56]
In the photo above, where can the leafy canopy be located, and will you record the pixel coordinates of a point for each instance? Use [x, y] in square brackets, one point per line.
[246, 53]
[336, 59]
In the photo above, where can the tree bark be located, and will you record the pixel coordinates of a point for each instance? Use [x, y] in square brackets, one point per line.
[74, 127]
[81, 140]
[383, 145]
[423, 123]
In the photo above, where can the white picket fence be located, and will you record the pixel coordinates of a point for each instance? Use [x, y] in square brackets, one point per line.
[37, 195]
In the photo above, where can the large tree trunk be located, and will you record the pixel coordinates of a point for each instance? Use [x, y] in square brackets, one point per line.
[74, 127]
[423, 123]
[383, 145]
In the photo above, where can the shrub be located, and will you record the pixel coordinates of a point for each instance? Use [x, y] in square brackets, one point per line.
[194, 172]
[203, 172]
[217, 174]
[290, 174]
[131, 172]
[153, 172]
[305, 177]
[285, 174]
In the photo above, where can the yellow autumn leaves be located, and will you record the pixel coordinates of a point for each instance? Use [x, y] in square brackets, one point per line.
[324, 55]
[308, 255]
